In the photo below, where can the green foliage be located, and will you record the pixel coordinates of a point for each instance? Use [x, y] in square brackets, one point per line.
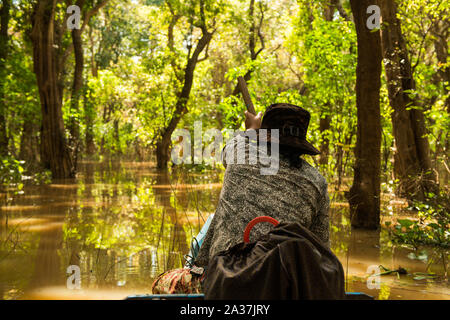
[11, 170]
[325, 53]
[432, 226]
[21, 100]
[13, 173]
[425, 26]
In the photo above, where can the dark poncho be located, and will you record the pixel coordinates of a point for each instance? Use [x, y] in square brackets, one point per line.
[291, 195]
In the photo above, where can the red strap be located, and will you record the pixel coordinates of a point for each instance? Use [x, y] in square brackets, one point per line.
[252, 223]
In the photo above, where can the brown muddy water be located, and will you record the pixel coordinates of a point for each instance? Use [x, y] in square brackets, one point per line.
[123, 223]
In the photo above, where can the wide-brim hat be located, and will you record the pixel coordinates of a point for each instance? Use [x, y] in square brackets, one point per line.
[292, 122]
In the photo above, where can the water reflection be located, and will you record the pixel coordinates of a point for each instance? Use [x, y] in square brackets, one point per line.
[125, 223]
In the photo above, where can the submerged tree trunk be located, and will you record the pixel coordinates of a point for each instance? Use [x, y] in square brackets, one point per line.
[325, 118]
[440, 33]
[412, 163]
[4, 46]
[29, 142]
[364, 195]
[77, 85]
[55, 154]
[89, 110]
[74, 126]
[89, 113]
[163, 145]
[324, 126]
[116, 136]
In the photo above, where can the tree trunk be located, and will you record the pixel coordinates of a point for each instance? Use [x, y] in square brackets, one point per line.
[412, 163]
[440, 32]
[116, 136]
[29, 151]
[55, 154]
[325, 119]
[4, 48]
[89, 113]
[324, 126]
[325, 110]
[364, 195]
[163, 145]
[162, 152]
[74, 126]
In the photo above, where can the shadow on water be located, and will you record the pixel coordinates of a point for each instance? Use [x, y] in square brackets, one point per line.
[123, 223]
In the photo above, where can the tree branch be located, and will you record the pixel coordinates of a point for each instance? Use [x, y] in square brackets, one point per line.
[206, 53]
[87, 17]
[341, 10]
[260, 35]
[170, 42]
[91, 13]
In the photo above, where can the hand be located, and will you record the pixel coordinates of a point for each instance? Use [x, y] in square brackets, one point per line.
[252, 121]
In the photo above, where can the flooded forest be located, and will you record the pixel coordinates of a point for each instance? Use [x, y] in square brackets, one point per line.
[94, 95]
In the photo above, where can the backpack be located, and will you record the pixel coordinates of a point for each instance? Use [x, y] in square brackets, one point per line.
[289, 262]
